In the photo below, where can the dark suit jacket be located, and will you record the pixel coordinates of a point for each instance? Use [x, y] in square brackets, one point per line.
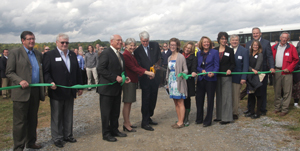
[267, 53]
[227, 61]
[3, 61]
[57, 72]
[165, 56]
[108, 69]
[145, 63]
[241, 64]
[211, 64]
[18, 68]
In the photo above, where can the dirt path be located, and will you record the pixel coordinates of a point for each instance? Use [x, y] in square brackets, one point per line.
[243, 134]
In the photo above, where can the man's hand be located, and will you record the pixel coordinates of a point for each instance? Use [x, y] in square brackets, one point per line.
[24, 84]
[243, 82]
[80, 92]
[53, 87]
[286, 70]
[127, 80]
[119, 79]
[272, 70]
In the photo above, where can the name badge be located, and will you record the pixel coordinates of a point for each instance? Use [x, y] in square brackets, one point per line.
[287, 54]
[58, 59]
[240, 57]
[226, 54]
[78, 59]
[255, 56]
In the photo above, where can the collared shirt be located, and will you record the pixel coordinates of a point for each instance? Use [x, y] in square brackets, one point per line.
[234, 49]
[35, 71]
[145, 48]
[279, 55]
[117, 53]
[65, 58]
[80, 62]
[5, 57]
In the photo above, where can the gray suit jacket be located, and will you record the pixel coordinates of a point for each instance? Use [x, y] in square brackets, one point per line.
[18, 68]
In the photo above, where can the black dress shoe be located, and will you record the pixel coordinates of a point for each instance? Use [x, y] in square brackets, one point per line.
[152, 123]
[246, 112]
[70, 139]
[224, 122]
[59, 144]
[125, 129]
[235, 117]
[198, 122]
[255, 116]
[147, 127]
[110, 138]
[119, 134]
[34, 146]
[206, 125]
[133, 126]
[249, 115]
[263, 113]
[217, 120]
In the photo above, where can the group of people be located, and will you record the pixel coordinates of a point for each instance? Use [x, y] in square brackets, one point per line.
[142, 64]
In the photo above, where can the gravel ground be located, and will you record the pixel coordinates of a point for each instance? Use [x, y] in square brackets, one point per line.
[243, 134]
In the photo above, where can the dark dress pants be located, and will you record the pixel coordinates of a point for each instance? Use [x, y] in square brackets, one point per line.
[208, 87]
[252, 99]
[25, 120]
[110, 112]
[149, 98]
[263, 96]
[61, 118]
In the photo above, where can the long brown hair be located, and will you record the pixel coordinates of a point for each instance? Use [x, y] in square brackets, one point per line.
[259, 47]
[192, 49]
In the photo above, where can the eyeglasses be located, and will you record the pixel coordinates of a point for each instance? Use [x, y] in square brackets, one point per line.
[30, 39]
[47, 49]
[64, 42]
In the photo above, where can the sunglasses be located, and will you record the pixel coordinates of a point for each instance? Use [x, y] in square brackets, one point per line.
[64, 42]
[47, 49]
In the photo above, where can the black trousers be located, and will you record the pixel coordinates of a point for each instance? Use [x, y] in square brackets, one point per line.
[149, 98]
[252, 100]
[187, 103]
[208, 87]
[25, 120]
[84, 76]
[110, 112]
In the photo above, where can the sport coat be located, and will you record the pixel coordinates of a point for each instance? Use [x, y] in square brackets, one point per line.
[108, 68]
[145, 63]
[55, 70]
[227, 62]
[241, 64]
[211, 64]
[165, 56]
[19, 68]
[267, 53]
[3, 62]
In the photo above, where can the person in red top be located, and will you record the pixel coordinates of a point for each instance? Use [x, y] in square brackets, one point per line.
[286, 58]
[133, 71]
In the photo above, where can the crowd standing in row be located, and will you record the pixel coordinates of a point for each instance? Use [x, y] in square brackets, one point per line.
[148, 65]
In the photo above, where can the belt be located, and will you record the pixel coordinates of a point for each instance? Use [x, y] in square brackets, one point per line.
[279, 68]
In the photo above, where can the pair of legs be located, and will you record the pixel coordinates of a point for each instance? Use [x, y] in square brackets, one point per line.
[126, 113]
[224, 99]
[92, 72]
[180, 110]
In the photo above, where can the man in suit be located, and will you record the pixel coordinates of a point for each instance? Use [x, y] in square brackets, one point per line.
[5, 80]
[110, 67]
[61, 67]
[24, 67]
[241, 56]
[147, 55]
[268, 58]
[164, 62]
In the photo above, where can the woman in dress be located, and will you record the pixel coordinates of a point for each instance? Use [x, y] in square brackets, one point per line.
[191, 62]
[208, 62]
[224, 82]
[133, 70]
[253, 81]
[177, 85]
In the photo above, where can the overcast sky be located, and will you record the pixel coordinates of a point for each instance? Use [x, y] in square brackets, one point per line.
[89, 20]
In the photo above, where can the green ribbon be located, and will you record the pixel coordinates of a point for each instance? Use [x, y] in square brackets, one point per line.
[78, 86]
[185, 76]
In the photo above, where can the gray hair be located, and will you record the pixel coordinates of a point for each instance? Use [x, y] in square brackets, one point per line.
[285, 33]
[256, 28]
[129, 41]
[64, 36]
[144, 35]
[234, 36]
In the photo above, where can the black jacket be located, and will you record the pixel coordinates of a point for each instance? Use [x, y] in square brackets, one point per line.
[55, 70]
[3, 62]
[227, 61]
[191, 63]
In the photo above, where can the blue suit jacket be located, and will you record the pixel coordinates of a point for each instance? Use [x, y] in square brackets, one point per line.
[241, 64]
[211, 64]
[268, 61]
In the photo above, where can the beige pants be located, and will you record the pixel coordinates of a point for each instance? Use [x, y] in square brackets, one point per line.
[236, 88]
[284, 82]
[92, 72]
[5, 93]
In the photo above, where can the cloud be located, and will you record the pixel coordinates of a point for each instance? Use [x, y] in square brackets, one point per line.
[90, 20]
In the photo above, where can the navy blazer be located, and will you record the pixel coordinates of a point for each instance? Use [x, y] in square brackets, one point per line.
[268, 61]
[211, 64]
[241, 64]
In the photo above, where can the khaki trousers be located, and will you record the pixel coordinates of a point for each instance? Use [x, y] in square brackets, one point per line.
[284, 82]
[5, 93]
[236, 88]
[92, 72]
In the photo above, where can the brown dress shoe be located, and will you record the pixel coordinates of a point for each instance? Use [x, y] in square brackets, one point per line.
[283, 114]
[275, 112]
[34, 146]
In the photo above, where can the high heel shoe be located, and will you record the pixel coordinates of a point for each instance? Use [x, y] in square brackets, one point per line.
[133, 126]
[127, 130]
